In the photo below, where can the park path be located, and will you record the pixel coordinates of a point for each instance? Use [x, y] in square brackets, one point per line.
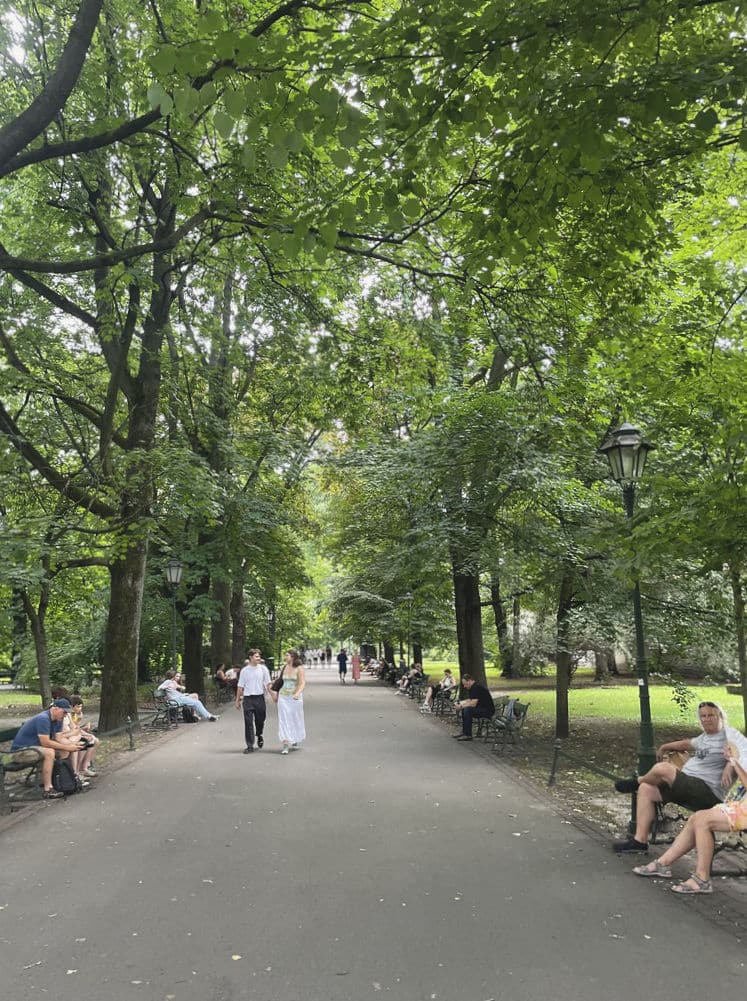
[382, 860]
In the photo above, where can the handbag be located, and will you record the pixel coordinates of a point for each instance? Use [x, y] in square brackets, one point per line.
[277, 683]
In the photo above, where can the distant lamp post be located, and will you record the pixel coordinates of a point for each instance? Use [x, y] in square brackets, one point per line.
[173, 577]
[408, 598]
[626, 453]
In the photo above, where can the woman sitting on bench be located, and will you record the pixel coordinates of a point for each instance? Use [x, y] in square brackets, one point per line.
[731, 815]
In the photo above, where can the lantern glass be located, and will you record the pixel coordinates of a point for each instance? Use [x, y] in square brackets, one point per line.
[174, 571]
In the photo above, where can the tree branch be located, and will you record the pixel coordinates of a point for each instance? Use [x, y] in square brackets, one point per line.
[43, 109]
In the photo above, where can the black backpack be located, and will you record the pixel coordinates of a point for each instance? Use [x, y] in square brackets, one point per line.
[63, 778]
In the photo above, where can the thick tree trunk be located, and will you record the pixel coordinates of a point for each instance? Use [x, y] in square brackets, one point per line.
[469, 625]
[122, 638]
[194, 626]
[501, 628]
[194, 676]
[220, 627]
[601, 666]
[563, 654]
[417, 652]
[238, 622]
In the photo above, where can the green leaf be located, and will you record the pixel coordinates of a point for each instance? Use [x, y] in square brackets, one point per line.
[186, 100]
[156, 94]
[277, 157]
[164, 61]
[411, 208]
[706, 120]
[223, 123]
[328, 233]
[249, 157]
[235, 103]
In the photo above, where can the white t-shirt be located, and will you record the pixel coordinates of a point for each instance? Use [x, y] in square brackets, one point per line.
[253, 679]
[707, 761]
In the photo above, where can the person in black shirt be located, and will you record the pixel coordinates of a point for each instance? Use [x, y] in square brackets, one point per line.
[479, 705]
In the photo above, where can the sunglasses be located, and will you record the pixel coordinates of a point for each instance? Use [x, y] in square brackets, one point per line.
[711, 705]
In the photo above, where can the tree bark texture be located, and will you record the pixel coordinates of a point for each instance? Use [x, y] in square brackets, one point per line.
[501, 628]
[238, 624]
[220, 627]
[121, 639]
[469, 625]
[563, 657]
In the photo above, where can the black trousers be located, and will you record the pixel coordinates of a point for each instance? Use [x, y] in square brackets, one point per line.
[255, 712]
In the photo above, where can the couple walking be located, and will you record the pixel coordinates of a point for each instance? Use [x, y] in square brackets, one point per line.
[253, 687]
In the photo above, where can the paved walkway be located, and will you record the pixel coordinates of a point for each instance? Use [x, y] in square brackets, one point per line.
[382, 859]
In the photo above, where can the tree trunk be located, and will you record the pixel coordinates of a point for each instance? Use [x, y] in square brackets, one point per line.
[389, 652]
[122, 638]
[469, 625]
[192, 661]
[601, 670]
[515, 634]
[20, 623]
[738, 593]
[417, 652]
[563, 654]
[220, 627]
[37, 617]
[501, 628]
[238, 621]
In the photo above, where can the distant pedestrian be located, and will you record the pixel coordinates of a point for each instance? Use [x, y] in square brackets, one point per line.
[355, 664]
[254, 682]
[291, 724]
[342, 664]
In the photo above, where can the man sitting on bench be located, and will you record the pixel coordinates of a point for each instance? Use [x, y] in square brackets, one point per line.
[41, 732]
[699, 785]
[479, 705]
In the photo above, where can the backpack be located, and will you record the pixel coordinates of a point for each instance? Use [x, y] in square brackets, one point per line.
[63, 778]
[187, 716]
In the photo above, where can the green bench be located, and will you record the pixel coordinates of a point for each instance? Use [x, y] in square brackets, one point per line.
[16, 762]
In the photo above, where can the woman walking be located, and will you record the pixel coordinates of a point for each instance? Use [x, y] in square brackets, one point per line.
[355, 662]
[291, 728]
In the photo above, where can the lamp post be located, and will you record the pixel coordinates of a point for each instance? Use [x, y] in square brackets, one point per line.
[626, 452]
[173, 576]
[408, 599]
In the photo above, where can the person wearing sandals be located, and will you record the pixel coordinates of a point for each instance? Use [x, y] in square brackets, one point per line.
[700, 784]
[731, 815]
[291, 726]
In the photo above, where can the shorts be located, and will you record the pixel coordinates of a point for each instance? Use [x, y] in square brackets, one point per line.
[690, 792]
[735, 812]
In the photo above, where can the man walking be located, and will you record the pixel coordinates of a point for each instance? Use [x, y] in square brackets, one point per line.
[342, 662]
[479, 705]
[254, 683]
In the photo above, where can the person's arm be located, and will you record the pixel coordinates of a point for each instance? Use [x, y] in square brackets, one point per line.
[58, 745]
[300, 682]
[239, 696]
[674, 745]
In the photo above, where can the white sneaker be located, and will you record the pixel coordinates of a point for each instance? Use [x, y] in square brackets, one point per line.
[285, 749]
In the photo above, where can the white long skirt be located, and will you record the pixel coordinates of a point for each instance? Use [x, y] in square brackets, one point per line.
[291, 727]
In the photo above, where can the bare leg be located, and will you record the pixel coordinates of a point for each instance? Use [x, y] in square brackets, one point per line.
[648, 797]
[46, 768]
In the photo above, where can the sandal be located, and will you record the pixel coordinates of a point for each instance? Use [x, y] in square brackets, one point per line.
[655, 868]
[701, 885]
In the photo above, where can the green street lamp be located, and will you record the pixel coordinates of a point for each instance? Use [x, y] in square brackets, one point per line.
[173, 576]
[626, 452]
